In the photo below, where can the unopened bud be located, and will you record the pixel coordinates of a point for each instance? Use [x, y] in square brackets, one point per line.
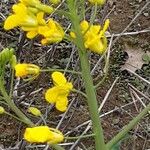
[2, 110]
[34, 111]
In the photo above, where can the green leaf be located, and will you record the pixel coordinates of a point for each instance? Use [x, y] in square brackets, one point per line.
[117, 146]
[146, 58]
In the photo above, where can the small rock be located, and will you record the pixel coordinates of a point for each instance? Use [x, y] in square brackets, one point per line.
[146, 14]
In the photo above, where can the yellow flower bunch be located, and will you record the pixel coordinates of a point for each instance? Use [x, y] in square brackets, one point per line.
[58, 94]
[29, 16]
[94, 36]
[43, 134]
[99, 2]
[23, 70]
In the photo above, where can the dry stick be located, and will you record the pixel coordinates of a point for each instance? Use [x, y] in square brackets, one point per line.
[103, 115]
[148, 82]
[107, 95]
[90, 123]
[139, 92]
[138, 98]
[129, 33]
[133, 98]
[136, 16]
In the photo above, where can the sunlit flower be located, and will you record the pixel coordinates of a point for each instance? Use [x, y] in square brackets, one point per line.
[2, 110]
[33, 31]
[23, 70]
[99, 2]
[43, 134]
[34, 111]
[58, 94]
[51, 33]
[20, 17]
[94, 36]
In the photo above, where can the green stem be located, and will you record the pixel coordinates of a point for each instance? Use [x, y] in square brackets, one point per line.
[13, 116]
[77, 137]
[106, 67]
[57, 147]
[11, 83]
[128, 127]
[80, 92]
[12, 105]
[91, 95]
[61, 70]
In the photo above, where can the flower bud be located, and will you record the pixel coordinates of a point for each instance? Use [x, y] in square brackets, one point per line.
[13, 61]
[23, 70]
[34, 111]
[2, 110]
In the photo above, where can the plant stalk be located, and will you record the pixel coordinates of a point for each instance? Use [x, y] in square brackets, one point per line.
[88, 82]
[14, 108]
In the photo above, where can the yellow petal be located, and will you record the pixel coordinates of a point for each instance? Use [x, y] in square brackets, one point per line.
[40, 19]
[58, 78]
[21, 70]
[57, 136]
[11, 22]
[51, 95]
[62, 103]
[84, 25]
[20, 9]
[40, 134]
[73, 35]
[31, 34]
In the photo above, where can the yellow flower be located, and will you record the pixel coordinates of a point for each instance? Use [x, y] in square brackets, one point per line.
[99, 2]
[52, 32]
[34, 111]
[43, 134]
[23, 70]
[2, 110]
[21, 17]
[58, 94]
[33, 31]
[94, 36]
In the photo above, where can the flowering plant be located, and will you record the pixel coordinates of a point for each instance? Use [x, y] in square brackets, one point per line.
[31, 17]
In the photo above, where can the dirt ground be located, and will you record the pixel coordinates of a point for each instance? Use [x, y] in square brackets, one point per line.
[119, 105]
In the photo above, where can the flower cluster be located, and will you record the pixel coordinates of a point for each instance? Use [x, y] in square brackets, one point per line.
[94, 36]
[29, 16]
[43, 134]
[58, 94]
